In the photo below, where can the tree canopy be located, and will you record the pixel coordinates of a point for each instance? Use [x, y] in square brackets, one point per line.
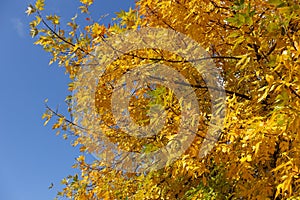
[255, 47]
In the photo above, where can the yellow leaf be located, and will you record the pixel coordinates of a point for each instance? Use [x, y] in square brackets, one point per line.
[249, 158]
[281, 166]
[65, 136]
[40, 4]
[81, 158]
[46, 122]
[269, 79]
[82, 148]
[30, 10]
[87, 2]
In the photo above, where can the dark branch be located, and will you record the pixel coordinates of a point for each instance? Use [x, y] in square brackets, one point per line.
[294, 92]
[59, 37]
[61, 116]
[209, 87]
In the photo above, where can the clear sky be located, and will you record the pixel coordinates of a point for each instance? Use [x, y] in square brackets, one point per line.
[31, 156]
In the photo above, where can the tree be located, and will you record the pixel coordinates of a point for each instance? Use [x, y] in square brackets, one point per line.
[255, 45]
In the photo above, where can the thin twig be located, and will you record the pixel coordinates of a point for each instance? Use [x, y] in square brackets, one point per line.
[58, 36]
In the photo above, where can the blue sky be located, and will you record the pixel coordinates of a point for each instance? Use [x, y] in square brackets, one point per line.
[31, 156]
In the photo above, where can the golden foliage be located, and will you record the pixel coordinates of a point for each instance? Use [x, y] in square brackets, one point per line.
[255, 43]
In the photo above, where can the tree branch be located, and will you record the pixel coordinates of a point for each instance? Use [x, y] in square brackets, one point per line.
[59, 37]
[209, 87]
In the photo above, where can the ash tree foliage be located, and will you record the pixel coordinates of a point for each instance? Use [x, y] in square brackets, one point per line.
[257, 46]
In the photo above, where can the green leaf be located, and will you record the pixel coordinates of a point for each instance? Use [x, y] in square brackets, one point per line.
[277, 3]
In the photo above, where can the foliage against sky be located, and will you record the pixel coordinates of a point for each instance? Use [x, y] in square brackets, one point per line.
[255, 43]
